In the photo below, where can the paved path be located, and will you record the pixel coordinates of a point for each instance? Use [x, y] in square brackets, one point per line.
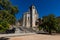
[17, 34]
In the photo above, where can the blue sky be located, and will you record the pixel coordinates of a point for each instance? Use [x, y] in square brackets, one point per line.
[44, 7]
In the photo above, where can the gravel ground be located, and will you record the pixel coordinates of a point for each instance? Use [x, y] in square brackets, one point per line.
[36, 37]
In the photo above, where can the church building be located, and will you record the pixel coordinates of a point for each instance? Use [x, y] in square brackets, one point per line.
[30, 18]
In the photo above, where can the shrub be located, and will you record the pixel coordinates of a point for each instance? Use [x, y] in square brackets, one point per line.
[4, 26]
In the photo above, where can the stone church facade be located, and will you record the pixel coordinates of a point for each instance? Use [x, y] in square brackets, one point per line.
[30, 18]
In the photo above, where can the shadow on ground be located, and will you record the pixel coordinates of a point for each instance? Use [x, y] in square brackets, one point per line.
[3, 38]
[49, 34]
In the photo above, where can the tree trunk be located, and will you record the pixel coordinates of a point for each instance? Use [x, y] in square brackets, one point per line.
[50, 31]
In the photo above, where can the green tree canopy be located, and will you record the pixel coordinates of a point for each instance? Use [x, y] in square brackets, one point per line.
[49, 23]
[7, 13]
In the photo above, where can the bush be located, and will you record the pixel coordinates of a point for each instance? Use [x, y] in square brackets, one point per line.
[4, 26]
[39, 27]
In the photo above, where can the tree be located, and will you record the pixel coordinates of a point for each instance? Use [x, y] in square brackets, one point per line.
[4, 15]
[7, 13]
[58, 22]
[6, 5]
[49, 23]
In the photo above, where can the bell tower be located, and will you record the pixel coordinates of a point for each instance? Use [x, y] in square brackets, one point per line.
[33, 16]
